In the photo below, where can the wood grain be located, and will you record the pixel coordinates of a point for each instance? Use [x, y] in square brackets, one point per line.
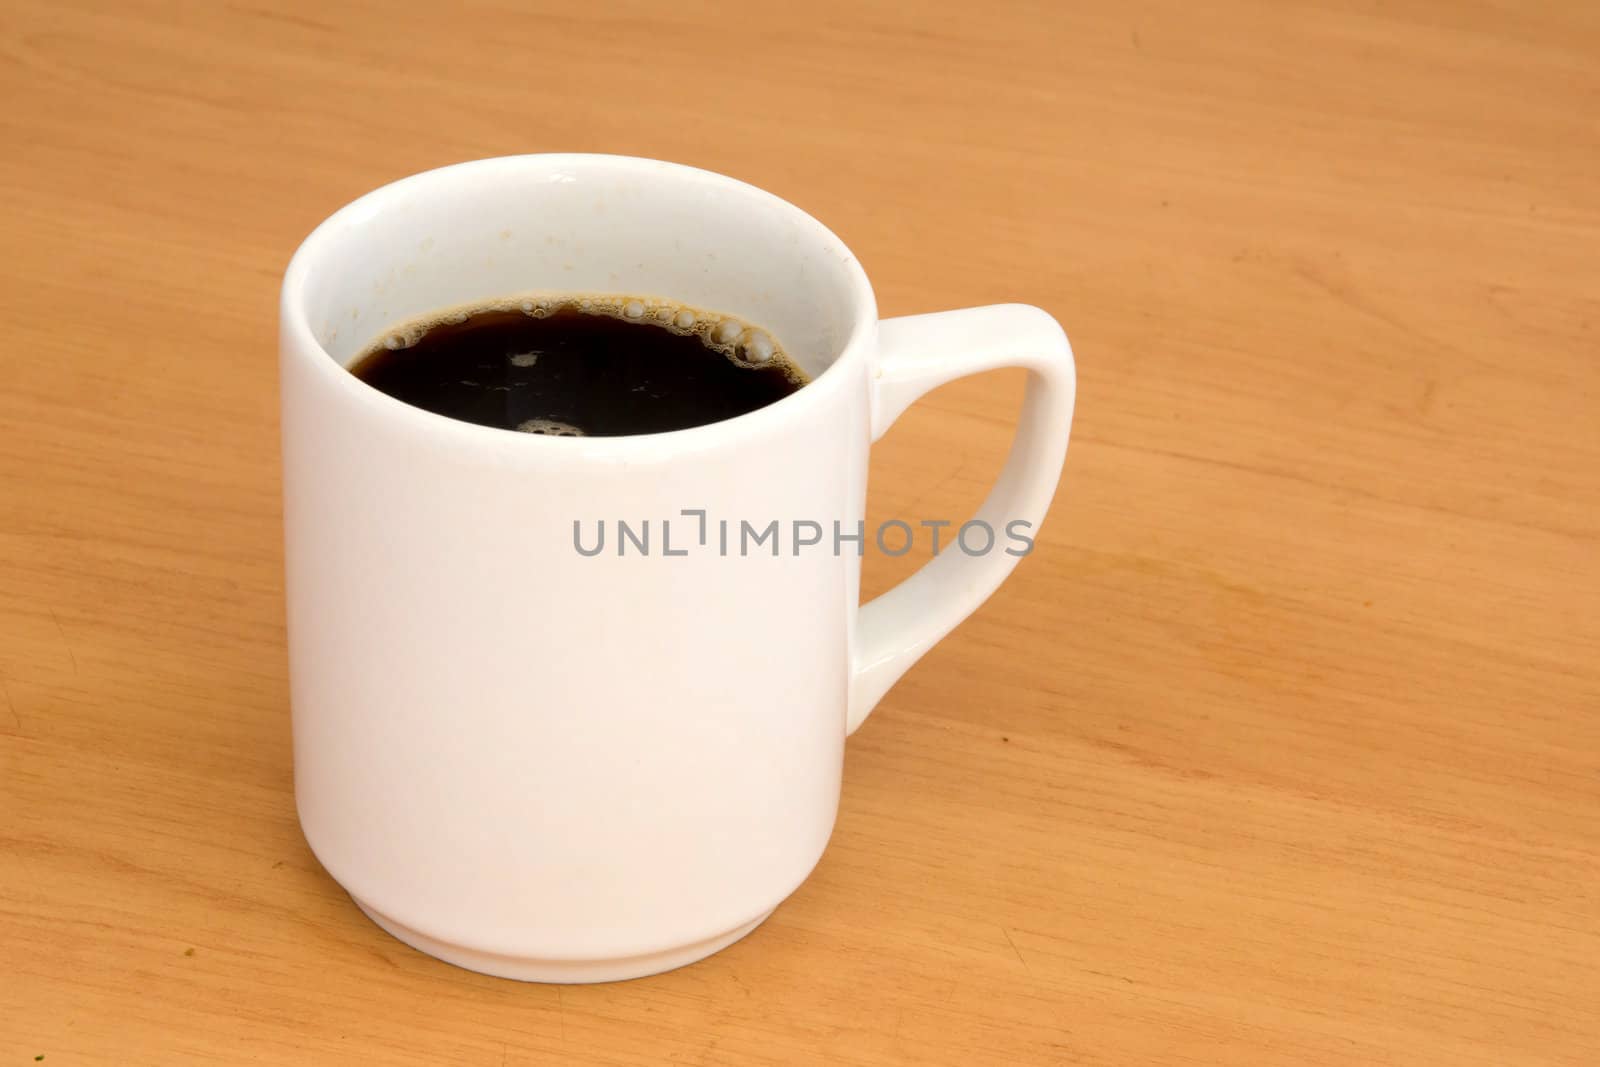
[1284, 748]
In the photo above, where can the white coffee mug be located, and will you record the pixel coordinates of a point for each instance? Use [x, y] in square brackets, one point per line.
[556, 766]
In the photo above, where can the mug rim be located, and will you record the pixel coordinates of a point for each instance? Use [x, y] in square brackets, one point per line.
[299, 341]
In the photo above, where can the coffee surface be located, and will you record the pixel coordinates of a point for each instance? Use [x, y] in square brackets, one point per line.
[592, 365]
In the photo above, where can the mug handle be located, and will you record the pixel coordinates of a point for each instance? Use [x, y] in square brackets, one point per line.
[917, 353]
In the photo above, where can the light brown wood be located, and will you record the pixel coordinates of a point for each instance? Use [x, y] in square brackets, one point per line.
[1284, 748]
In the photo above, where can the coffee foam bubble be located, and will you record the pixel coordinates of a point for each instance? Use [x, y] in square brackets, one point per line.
[550, 428]
[757, 347]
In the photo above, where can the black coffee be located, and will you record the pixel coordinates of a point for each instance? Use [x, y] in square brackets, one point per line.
[600, 366]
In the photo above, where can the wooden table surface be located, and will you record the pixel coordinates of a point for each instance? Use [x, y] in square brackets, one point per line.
[1283, 748]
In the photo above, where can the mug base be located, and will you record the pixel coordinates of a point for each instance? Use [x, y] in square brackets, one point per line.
[533, 969]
